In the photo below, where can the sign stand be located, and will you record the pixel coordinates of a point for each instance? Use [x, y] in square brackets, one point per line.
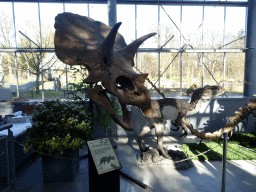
[104, 165]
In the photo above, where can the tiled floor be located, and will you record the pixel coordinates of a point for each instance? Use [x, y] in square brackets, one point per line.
[204, 176]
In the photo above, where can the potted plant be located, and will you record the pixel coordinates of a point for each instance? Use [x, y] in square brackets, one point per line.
[58, 130]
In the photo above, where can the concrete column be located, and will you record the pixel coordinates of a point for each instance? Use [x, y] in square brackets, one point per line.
[112, 18]
[250, 56]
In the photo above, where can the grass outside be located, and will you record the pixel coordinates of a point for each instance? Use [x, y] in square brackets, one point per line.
[48, 94]
[234, 152]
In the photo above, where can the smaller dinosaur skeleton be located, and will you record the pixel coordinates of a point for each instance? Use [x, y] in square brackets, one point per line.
[175, 109]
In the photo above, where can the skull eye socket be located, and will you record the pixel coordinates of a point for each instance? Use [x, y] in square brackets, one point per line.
[123, 82]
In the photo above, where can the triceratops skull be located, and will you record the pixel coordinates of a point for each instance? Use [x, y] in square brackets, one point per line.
[80, 40]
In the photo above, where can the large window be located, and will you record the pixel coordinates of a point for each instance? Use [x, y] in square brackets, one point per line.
[199, 44]
[212, 38]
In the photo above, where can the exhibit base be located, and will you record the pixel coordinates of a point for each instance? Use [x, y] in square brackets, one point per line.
[109, 181]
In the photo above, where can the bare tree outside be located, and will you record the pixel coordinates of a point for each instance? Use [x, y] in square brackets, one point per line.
[6, 41]
[29, 63]
[192, 63]
[37, 62]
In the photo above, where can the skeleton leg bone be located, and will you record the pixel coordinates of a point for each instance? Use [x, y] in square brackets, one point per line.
[175, 126]
[144, 131]
[159, 134]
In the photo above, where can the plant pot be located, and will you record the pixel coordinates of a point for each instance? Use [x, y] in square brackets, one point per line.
[57, 169]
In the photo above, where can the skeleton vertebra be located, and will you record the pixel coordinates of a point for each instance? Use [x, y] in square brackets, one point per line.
[82, 41]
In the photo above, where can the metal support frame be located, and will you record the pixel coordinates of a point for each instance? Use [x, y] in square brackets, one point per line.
[41, 44]
[112, 20]
[181, 42]
[224, 161]
[142, 50]
[159, 47]
[15, 54]
[202, 26]
[66, 67]
[148, 2]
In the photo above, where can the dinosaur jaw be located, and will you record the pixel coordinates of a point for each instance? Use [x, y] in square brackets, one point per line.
[128, 88]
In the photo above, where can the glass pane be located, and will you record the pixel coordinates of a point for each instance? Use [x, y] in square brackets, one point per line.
[191, 71]
[7, 40]
[213, 68]
[235, 27]
[7, 69]
[147, 21]
[47, 22]
[170, 74]
[148, 63]
[30, 64]
[192, 24]
[168, 28]
[27, 24]
[6, 25]
[213, 26]
[99, 12]
[77, 8]
[234, 73]
[126, 15]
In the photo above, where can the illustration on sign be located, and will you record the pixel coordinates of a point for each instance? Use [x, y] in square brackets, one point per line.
[104, 155]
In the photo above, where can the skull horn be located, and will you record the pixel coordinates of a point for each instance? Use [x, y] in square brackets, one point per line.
[132, 48]
[108, 44]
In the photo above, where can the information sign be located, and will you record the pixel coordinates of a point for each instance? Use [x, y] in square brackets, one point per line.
[104, 156]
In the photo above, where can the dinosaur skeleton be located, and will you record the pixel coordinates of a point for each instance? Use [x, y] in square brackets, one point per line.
[175, 109]
[80, 40]
[240, 116]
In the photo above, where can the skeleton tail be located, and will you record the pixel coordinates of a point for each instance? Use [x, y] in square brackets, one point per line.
[241, 115]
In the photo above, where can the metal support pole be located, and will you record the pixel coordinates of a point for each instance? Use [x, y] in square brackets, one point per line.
[224, 69]
[41, 44]
[180, 74]
[17, 76]
[66, 67]
[15, 54]
[250, 54]
[136, 32]
[181, 52]
[224, 56]
[224, 161]
[1, 68]
[202, 83]
[112, 19]
[159, 55]
[88, 9]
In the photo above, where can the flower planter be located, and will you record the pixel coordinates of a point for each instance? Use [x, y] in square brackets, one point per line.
[59, 169]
